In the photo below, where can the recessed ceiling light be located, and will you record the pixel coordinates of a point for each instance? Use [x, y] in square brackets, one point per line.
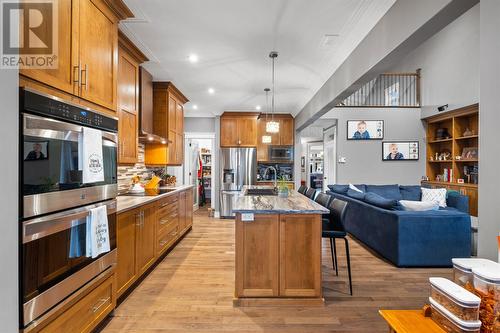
[193, 58]
[195, 107]
[211, 91]
[258, 107]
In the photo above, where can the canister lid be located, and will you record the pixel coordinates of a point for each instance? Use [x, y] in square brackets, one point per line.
[467, 264]
[490, 272]
[460, 295]
[472, 325]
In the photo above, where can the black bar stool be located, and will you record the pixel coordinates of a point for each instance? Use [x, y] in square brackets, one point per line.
[333, 228]
[302, 189]
[310, 193]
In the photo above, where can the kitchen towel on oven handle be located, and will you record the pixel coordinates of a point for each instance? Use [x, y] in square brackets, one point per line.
[97, 232]
[90, 155]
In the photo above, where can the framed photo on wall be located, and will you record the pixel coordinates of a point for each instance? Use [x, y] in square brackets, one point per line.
[400, 151]
[365, 129]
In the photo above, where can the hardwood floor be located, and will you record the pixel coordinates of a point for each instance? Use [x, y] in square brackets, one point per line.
[192, 291]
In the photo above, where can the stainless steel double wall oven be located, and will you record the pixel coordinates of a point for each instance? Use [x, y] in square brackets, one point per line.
[55, 203]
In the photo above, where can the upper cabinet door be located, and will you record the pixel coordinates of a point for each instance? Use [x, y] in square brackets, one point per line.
[172, 114]
[128, 105]
[67, 71]
[179, 118]
[98, 51]
[262, 148]
[286, 132]
[247, 131]
[228, 132]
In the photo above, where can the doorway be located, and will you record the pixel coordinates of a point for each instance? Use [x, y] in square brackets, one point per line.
[330, 157]
[315, 165]
[198, 167]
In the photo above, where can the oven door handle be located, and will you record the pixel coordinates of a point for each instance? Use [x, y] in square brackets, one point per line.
[51, 224]
[56, 129]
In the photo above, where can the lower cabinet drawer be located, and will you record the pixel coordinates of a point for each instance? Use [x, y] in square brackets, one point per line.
[167, 238]
[165, 222]
[87, 312]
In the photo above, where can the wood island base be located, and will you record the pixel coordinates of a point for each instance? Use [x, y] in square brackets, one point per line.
[278, 260]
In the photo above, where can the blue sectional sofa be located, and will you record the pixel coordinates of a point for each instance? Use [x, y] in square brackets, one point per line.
[407, 238]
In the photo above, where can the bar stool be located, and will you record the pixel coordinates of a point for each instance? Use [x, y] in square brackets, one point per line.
[302, 189]
[310, 193]
[333, 228]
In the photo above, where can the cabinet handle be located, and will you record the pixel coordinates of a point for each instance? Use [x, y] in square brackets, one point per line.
[138, 219]
[86, 84]
[164, 221]
[102, 301]
[142, 219]
[163, 242]
[77, 77]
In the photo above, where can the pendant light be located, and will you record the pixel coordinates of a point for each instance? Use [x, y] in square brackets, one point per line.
[273, 126]
[267, 138]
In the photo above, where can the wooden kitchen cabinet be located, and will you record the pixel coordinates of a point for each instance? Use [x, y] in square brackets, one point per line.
[67, 71]
[136, 244]
[285, 137]
[238, 130]
[189, 208]
[126, 242]
[146, 253]
[257, 262]
[168, 117]
[129, 59]
[87, 51]
[300, 255]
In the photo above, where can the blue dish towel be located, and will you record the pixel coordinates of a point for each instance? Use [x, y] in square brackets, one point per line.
[77, 241]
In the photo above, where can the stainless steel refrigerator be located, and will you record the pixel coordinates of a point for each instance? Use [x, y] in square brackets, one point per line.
[238, 167]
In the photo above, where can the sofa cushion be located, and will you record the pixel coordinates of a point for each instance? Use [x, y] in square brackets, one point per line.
[354, 188]
[341, 189]
[356, 194]
[361, 187]
[410, 192]
[379, 201]
[418, 206]
[434, 194]
[385, 191]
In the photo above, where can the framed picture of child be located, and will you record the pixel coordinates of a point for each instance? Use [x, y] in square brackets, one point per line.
[365, 129]
[400, 151]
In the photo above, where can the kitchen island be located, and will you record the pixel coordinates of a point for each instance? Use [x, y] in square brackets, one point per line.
[278, 249]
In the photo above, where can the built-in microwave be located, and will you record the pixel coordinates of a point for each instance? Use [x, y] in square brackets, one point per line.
[280, 153]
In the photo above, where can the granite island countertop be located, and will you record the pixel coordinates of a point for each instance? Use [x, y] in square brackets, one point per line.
[295, 203]
[126, 202]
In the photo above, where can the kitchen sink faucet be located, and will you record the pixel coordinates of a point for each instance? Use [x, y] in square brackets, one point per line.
[275, 175]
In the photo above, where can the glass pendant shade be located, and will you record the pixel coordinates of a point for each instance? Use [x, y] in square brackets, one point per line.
[272, 126]
[266, 139]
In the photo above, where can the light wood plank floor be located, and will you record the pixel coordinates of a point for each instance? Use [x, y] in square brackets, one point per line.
[192, 291]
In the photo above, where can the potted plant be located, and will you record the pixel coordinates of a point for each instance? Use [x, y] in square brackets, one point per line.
[282, 188]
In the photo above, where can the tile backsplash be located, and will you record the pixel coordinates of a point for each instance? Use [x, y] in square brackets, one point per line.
[125, 172]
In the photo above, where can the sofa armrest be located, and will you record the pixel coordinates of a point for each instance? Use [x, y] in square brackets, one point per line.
[458, 201]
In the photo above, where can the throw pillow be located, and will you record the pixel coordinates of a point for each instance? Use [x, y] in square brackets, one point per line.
[418, 206]
[356, 194]
[379, 201]
[410, 192]
[354, 188]
[385, 191]
[341, 189]
[434, 195]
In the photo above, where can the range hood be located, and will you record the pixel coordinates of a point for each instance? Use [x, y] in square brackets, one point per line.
[146, 132]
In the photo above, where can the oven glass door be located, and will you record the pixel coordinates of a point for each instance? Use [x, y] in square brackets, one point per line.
[54, 247]
[50, 156]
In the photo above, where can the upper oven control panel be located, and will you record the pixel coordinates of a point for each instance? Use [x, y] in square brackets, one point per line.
[53, 107]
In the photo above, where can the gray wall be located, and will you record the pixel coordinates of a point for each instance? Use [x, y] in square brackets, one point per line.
[8, 201]
[489, 118]
[450, 65]
[199, 125]
[364, 158]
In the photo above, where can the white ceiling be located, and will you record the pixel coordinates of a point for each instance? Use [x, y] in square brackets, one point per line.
[232, 39]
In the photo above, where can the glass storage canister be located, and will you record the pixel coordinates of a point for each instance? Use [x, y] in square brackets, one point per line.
[449, 322]
[487, 287]
[462, 270]
[457, 300]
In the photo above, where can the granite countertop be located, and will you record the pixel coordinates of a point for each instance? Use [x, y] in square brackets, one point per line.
[127, 202]
[295, 203]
